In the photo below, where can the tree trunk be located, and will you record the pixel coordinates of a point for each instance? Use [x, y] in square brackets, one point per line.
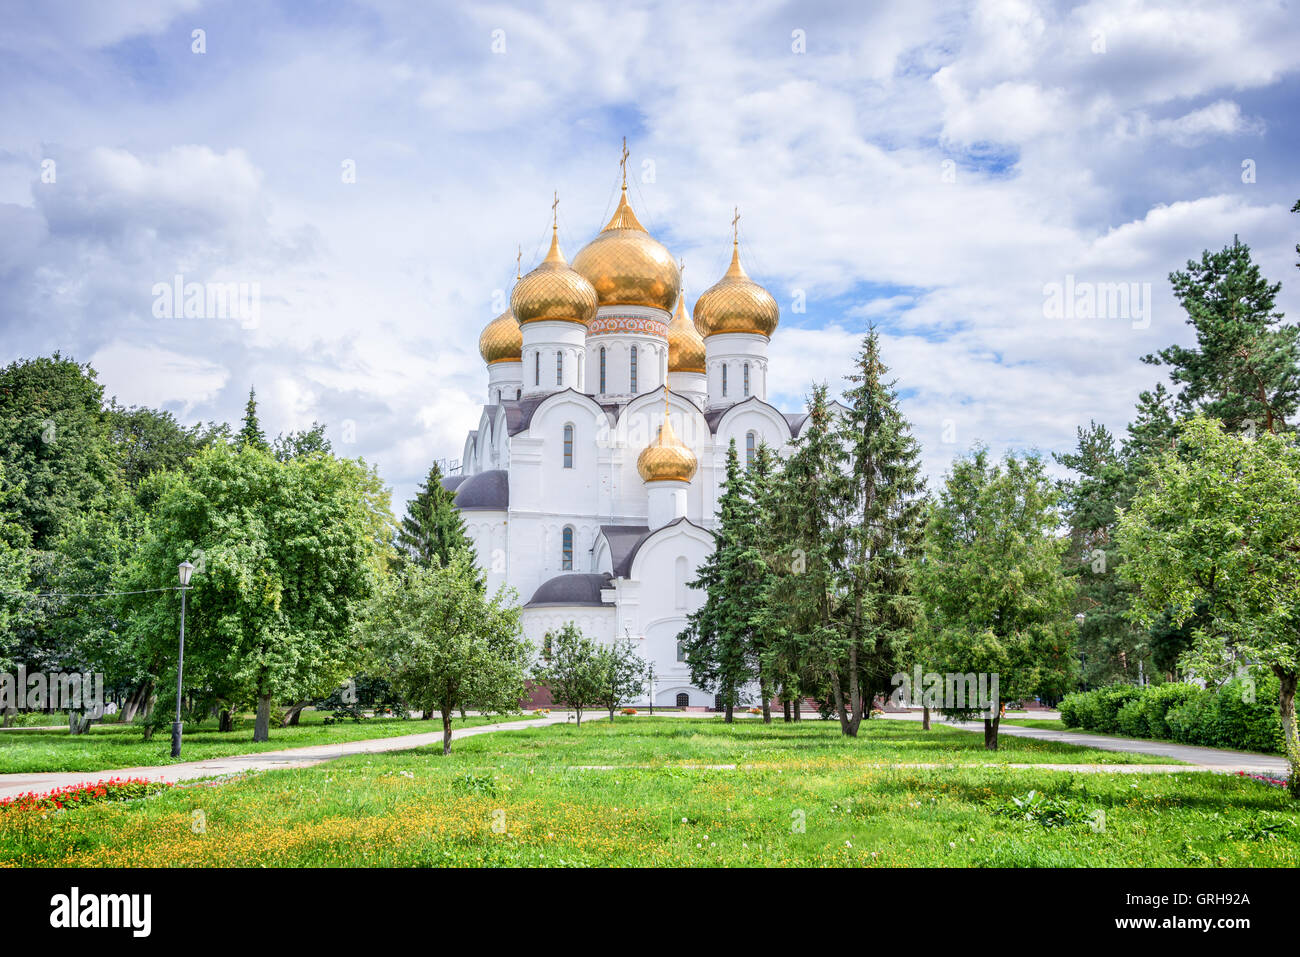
[136, 700]
[8, 716]
[991, 733]
[290, 718]
[785, 710]
[577, 713]
[1290, 735]
[728, 712]
[797, 707]
[611, 715]
[446, 731]
[262, 727]
[78, 723]
[925, 719]
[766, 693]
[226, 720]
[427, 715]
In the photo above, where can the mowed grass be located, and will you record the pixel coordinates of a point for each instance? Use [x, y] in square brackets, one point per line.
[799, 795]
[110, 746]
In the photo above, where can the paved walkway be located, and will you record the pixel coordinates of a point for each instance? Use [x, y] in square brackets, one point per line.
[1206, 759]
[12, 785]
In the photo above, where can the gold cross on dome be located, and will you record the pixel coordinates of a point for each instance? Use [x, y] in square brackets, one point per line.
[519, 263]
[555, 220]
[735, 227]
[623, 162]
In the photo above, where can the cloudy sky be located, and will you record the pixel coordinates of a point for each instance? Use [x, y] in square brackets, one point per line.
[374, 165]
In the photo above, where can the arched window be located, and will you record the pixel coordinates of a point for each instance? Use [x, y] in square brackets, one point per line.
[602, 369]
[679, 576]
[518, 393]
[634, 370]
[683, 700]
[566, 550]
[749, 449]
[746, 378]
[559, 367]
[724, 379]
[568, 446]
[681, 651]
[537, 368]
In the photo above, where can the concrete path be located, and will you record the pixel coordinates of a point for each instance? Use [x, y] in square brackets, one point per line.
[1206, 759]
[12, 785]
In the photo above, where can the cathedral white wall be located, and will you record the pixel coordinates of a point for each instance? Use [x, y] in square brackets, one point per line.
[734, 351]
[596, 621]
[543, 341]
[690, 385]
[505, 381]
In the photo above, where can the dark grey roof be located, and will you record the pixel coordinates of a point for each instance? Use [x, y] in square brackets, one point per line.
[796, 421]
[486, 491]
[570, 589]
[793, 420]
[452, 482]
[624, 540]
[519, 414]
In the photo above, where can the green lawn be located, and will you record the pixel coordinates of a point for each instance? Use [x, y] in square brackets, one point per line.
[1054, 724]
[800, 795]
[110, 746]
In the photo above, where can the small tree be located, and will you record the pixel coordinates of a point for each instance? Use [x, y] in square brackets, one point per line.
[620, 674]
[570, 669]
[432, 527]
[1215, 528]
[444, 645]
[250, 433]
[996, 598]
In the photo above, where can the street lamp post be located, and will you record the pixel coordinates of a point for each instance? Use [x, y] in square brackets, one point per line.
[184, 570]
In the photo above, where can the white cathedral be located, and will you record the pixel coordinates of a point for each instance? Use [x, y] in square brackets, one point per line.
[590, 485]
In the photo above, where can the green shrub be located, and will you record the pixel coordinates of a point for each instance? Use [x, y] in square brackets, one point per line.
[1131, 720]
[1156, 702]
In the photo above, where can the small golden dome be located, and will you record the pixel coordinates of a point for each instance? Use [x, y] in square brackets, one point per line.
[627, 266]
[501, 340]
[666, 459]
[735, 303]
[553, 291]
[685, 347]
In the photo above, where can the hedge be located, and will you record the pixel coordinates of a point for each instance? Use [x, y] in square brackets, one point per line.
[1230, 717]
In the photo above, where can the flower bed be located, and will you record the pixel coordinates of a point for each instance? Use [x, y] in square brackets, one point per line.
[78, 795]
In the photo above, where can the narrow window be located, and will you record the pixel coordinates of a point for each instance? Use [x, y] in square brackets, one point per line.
[679, 583]
[566, 551]
[681, 656]
[746, 378]
[537, 368]
[749, 449]
[568, 446]
[724, 380]
[634, 370]
[559, 368]
[602, 369]
[518, 393]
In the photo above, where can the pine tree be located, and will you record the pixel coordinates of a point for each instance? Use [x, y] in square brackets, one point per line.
[882, 505]
[805, 634]
[251, 433]
[719, 637]
[432, 528]
[1245, 368]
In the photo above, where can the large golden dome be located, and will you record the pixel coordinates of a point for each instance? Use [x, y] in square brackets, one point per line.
[627, 266]
[501, 340]
[666, 459]
[735, 303]
[553, 291]
[685, 347]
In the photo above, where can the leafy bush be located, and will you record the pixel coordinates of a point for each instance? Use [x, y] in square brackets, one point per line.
[1241, 715]
[1047, 812]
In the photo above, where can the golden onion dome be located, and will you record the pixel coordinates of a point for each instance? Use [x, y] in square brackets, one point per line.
[666, 459]
[627, 266]
[501, 340]
[685, 347]
[553, 291]
[735, 303]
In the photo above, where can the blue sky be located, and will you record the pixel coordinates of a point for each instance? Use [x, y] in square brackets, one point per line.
[929, 167]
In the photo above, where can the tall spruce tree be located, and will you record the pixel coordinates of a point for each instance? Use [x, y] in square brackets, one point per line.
[805, 635]
[251, 432]
[883, 511]
[432, 528]
[1245, 367]
[719, 637]
[762, 486]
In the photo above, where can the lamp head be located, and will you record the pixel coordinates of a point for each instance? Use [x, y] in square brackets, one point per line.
[184, 570]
